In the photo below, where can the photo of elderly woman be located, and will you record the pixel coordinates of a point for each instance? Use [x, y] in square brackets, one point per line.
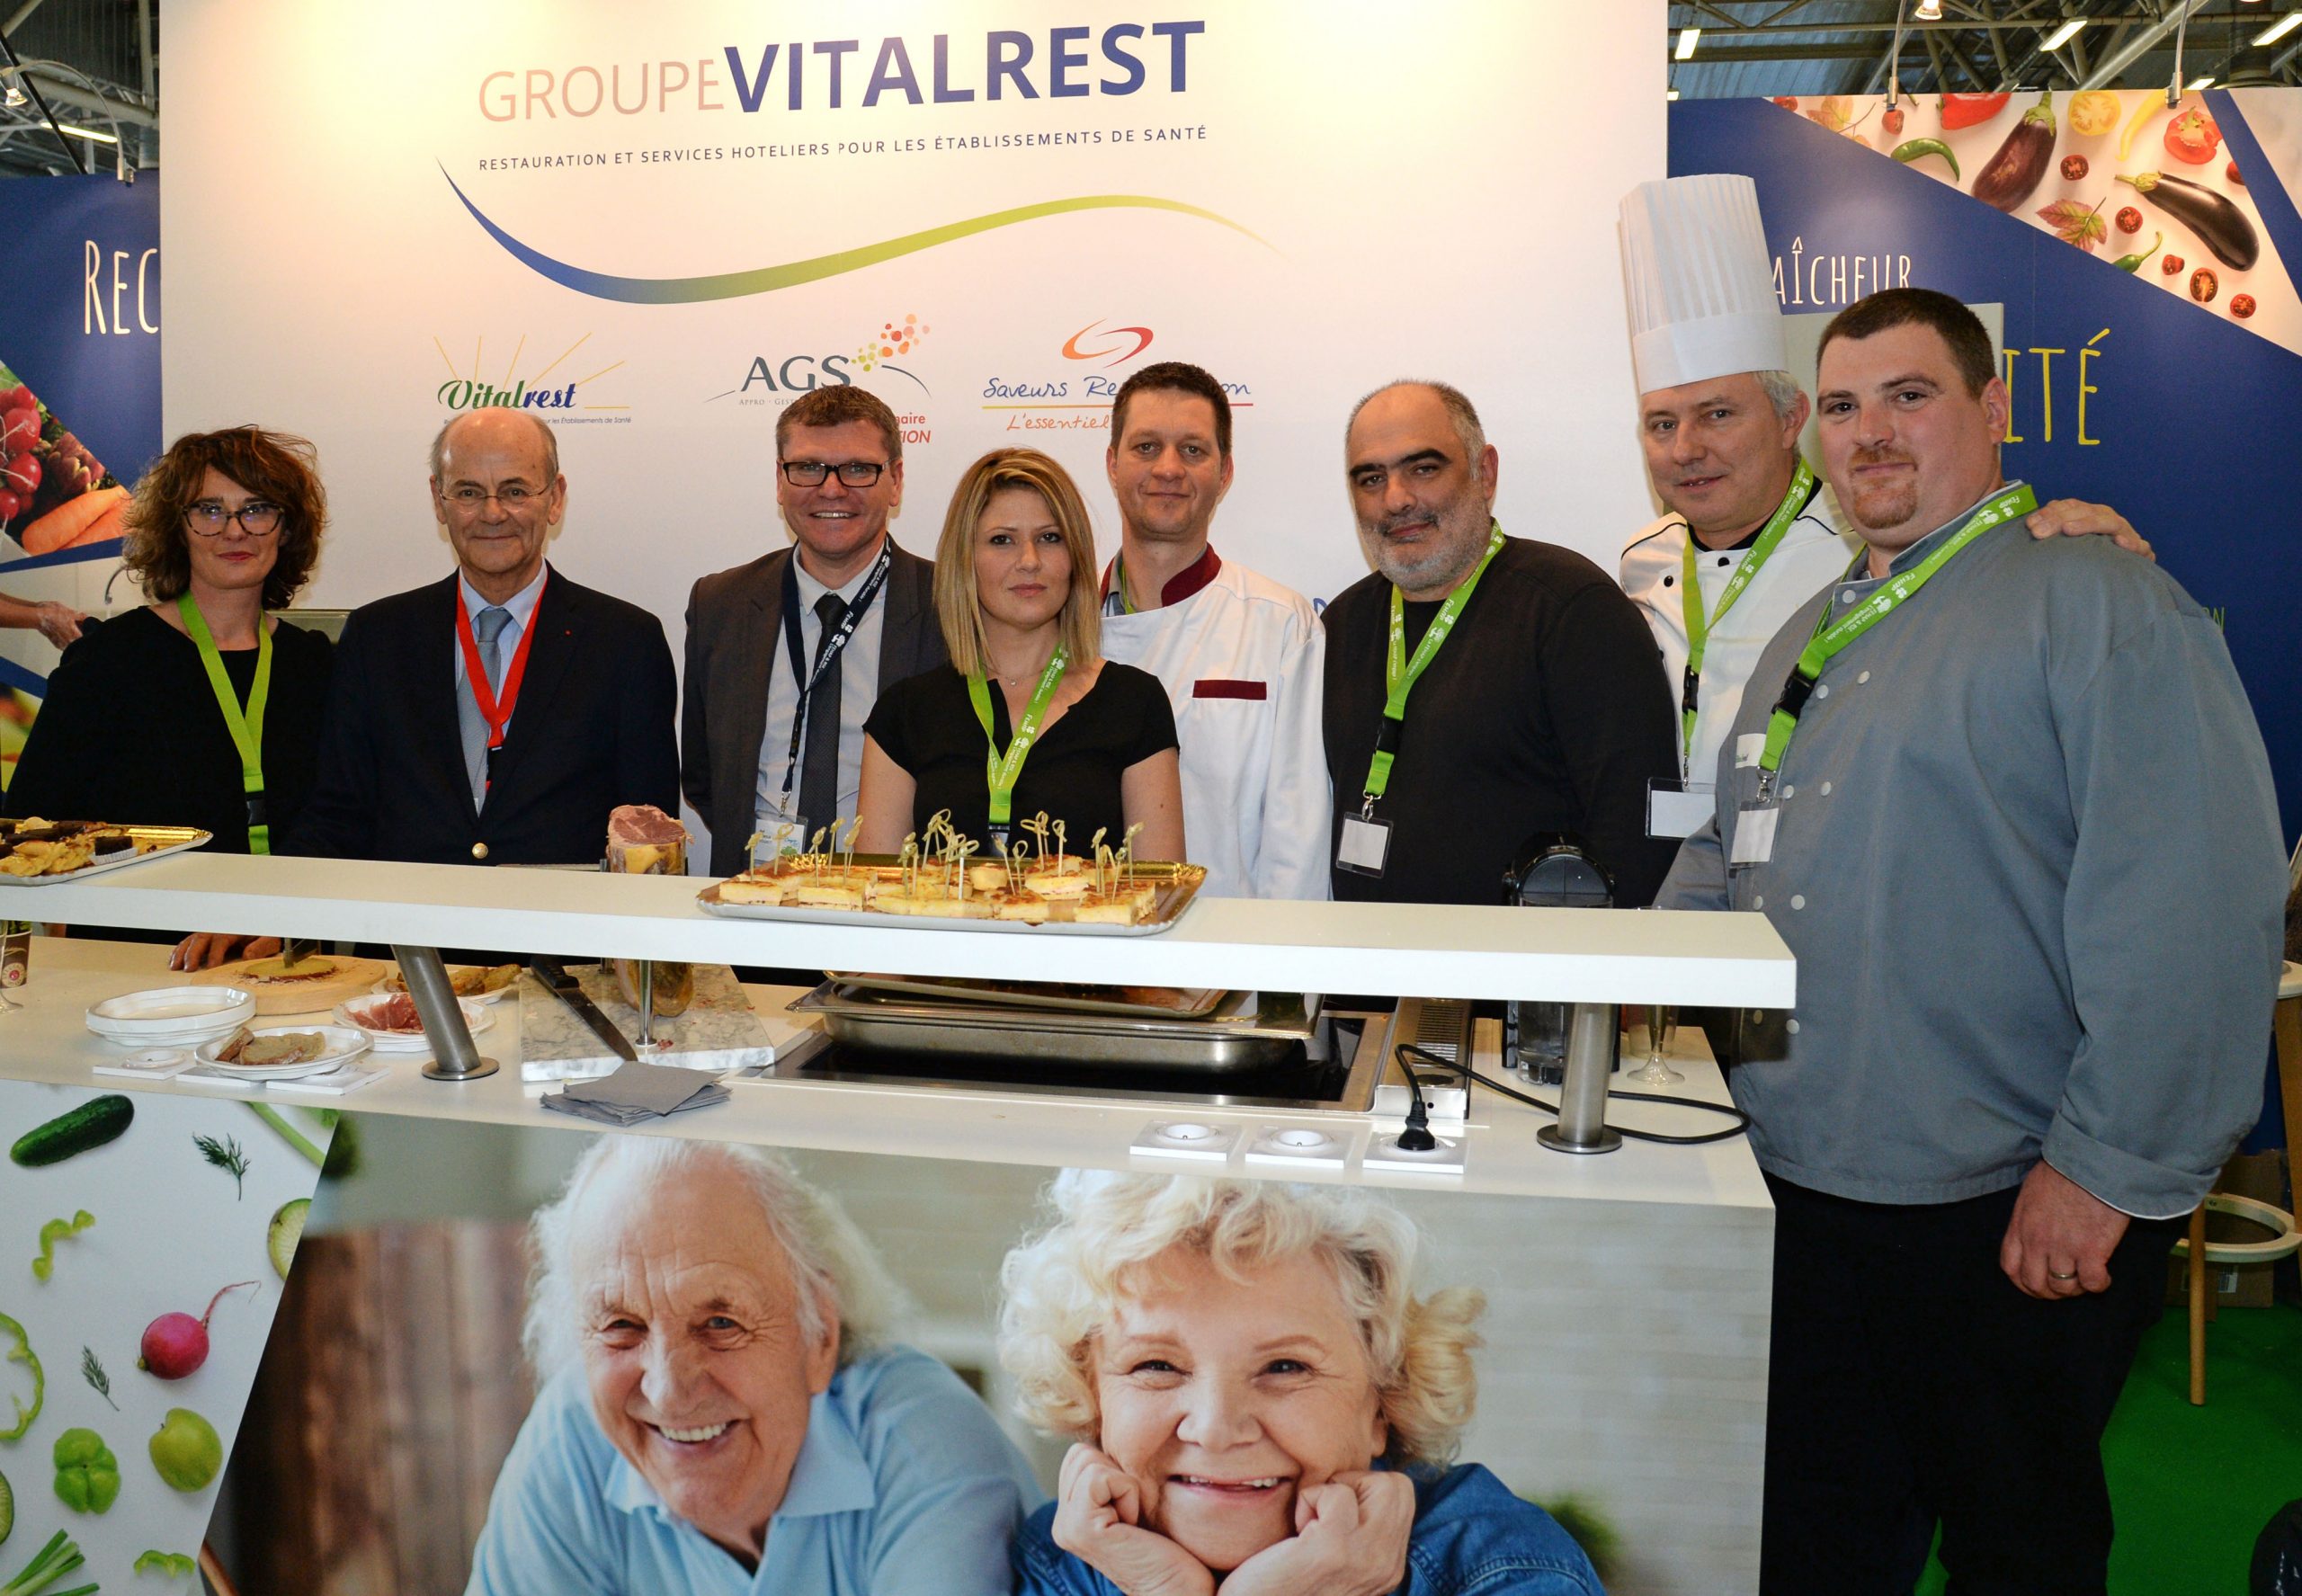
[718, 1409]
[1256, 1397]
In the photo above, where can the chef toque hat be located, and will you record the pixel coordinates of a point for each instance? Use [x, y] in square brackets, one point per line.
[1698, 281]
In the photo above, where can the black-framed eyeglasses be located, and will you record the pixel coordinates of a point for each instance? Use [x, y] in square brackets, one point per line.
[469, 498]
[851, 473]
[258, 518]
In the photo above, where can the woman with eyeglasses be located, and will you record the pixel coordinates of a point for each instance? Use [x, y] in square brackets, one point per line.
[1028, 717]
[197, 708]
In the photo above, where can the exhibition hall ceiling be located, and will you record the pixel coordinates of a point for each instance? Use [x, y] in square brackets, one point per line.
[96, 62]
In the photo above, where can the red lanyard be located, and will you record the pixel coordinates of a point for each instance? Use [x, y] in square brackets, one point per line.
[497, 714]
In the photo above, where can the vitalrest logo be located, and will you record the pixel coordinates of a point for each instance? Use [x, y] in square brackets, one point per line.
[568, 398]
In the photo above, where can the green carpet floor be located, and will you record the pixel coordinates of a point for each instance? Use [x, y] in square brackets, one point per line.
[2192, 1486]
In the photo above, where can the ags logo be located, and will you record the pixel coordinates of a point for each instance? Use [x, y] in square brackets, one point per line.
[799, 373]
[1118, 344]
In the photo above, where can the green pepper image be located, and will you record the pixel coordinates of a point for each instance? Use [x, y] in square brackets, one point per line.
[87, 1475]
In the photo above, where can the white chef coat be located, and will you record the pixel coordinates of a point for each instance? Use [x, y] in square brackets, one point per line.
[1813, 554]
[1241, 659]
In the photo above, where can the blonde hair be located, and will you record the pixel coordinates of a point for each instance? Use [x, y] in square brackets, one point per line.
[831, 1265]
[960, 610]
[1061, 1287]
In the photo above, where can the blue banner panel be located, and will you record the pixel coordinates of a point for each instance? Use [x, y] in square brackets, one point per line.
[2124, 393]
[80, 257]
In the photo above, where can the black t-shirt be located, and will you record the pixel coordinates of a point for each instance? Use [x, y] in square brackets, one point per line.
[928, 726]
[1546, 709]
[131, 732]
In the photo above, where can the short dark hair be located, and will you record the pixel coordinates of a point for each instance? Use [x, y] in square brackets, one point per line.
[835, 406]
[1177, 376]
[272, 466]
[1961, 329]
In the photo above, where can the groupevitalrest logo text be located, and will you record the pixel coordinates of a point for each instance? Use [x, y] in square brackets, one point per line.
[1001, 64]
[548, 391]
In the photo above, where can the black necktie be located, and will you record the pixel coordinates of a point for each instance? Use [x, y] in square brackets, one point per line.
[820, 756]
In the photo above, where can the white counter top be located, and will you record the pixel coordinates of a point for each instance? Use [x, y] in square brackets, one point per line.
[1417, 949]
[46, 1041]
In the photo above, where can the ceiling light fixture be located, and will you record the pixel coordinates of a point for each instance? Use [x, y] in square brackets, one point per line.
[1670, 94]
[88, 133]
[1929, 11]
[2200, 83]
[1688, 39]
[2064, 34]
[2280, 29]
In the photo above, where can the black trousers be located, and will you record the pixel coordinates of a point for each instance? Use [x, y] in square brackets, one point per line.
[1912, 1385]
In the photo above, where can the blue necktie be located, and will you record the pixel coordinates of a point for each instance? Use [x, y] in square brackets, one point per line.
[487, 627]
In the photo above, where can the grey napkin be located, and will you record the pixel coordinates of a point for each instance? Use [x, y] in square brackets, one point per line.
[638, 1092]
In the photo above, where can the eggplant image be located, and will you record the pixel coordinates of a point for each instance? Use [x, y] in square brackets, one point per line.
[2219, 225]
[2018, 169]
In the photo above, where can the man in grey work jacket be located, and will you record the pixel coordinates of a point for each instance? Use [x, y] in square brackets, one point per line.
[2017, 824]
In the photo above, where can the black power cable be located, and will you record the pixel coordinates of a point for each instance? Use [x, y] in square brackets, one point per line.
[1742, 1121]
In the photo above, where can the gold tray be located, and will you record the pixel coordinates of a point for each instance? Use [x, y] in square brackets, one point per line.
[1178, 884]
[1061, 997]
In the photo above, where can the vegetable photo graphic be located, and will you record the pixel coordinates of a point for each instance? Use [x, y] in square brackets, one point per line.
[20, 1350]
[186, 1449]
[176, 1344]
[87, 1475]
[2219, 225]
[50, 1564]
[81, 1130]
[53, 1232]
[2015, 172]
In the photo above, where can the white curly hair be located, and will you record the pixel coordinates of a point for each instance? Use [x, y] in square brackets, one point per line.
[831, 1265]
[1061, 1285]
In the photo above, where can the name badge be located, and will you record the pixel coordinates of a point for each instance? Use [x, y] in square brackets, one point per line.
[1364, 844]
[1678, 808]
[1748, 747]
[1754, 836]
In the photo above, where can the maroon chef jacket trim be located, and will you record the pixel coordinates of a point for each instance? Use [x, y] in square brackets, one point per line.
[1183, 585]
[1228, 687]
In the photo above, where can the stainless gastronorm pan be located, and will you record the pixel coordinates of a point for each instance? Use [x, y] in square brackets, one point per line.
[979, 1032]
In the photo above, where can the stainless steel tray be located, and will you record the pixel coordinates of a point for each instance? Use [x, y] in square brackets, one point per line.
[1225, 1040]
[1190, 1002]
[163, 840]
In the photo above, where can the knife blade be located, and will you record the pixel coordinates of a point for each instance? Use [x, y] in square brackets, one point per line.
[293, 950]
[565, 988]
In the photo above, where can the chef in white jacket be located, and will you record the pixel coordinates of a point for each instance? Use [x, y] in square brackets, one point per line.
[1240, 656]
[1753, 532]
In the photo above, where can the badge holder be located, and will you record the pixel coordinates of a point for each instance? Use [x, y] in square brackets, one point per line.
[1677, 809]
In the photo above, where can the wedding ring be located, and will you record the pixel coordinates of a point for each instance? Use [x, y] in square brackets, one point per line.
[2051, 1275]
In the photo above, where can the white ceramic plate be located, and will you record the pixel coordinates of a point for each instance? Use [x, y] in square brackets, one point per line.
[384, 988]
[343, 1043]
[405, 1042]
[171, 1015]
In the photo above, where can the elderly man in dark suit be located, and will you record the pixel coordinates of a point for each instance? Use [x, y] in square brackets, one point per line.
[785, 655]
[496, 717]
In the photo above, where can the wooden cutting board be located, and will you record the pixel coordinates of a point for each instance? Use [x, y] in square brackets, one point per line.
[351, 977]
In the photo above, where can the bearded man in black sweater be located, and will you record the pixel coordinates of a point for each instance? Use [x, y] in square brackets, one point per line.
[1479, 688]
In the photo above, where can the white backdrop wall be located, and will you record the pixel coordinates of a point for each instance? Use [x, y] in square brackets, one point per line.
[1427, 192]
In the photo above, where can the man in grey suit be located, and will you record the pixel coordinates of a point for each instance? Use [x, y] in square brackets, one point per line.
[785, 655]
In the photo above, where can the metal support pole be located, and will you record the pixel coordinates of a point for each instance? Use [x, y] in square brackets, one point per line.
[1593, 1043]
[453, 1056]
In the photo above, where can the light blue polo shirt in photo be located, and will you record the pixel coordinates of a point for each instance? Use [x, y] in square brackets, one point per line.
[904, 1482]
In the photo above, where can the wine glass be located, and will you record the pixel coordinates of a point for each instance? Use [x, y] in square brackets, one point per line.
[1661, 1026]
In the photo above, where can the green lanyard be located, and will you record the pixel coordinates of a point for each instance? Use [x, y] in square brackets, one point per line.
[1833, 636]
[1794, 502]
[1400, 673]
[1118, 586]
[247, 729]
[1001, 770]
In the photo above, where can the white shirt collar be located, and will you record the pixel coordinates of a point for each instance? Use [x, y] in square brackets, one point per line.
[811, 590]
[521, 604]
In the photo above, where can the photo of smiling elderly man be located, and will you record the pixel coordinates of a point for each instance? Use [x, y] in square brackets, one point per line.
[718, 1409]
